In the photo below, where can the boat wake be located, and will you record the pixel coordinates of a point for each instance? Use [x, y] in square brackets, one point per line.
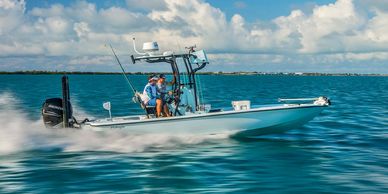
[19, 133]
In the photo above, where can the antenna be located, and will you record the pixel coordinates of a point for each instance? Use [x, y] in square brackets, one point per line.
[134, 47]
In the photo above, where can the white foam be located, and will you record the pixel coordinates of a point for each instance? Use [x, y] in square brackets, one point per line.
[19, 133]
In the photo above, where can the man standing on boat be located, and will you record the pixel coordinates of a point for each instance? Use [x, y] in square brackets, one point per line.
[164, 95]
[150, 93]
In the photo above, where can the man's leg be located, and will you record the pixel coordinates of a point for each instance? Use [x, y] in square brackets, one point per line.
[166, 111]
[158, 107]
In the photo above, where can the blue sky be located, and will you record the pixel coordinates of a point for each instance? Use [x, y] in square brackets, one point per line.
[253, 10]
[250, 9]
[239, 35]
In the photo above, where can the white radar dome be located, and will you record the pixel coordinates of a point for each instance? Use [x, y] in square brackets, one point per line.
[150, 47]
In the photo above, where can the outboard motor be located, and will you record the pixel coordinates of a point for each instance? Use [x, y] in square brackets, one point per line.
[57, 112]
[52, 112]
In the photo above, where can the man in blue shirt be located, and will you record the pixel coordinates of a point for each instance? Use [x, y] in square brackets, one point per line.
[151, 96]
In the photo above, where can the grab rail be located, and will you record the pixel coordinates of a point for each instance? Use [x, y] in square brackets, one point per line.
[296, 99]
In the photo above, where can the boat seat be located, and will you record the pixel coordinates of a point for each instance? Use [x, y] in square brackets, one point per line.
[151, 110]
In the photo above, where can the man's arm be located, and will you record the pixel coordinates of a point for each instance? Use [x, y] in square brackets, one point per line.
[173, 80]
[149, 92]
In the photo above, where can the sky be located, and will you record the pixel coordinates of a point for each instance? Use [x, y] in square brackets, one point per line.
[331, 36]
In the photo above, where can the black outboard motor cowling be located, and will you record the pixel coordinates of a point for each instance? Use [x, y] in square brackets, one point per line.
[52, 112]
[57, 112]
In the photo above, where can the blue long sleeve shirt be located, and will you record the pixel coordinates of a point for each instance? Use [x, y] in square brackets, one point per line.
[151, 91]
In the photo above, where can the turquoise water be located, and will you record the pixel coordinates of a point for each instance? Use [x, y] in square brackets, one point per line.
[344, 150]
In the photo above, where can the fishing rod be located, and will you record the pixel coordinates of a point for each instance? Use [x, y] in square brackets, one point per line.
[129, 83]
[122, 69]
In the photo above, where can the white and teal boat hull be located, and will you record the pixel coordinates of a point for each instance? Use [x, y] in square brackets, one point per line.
[245, 123]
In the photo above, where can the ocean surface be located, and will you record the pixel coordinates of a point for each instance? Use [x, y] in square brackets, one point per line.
[344, 150]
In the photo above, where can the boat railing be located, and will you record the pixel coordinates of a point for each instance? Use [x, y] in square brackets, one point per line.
[296, 99]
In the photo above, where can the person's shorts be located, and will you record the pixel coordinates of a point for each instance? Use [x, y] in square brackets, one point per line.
[163, 98]
[152, 102]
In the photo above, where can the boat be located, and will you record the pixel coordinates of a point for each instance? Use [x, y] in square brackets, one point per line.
[189, 114]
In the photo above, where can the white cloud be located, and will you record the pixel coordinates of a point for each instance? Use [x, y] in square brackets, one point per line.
[9, 4]
[82, 29]
[334, 33]
[11, 15]
[91, 60]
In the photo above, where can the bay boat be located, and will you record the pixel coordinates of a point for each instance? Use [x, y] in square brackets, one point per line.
[189, 114]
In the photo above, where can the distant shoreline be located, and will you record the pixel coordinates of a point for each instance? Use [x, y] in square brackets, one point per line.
[200, 73]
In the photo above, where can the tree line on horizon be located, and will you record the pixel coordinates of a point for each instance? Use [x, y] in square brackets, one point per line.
[36, 72]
